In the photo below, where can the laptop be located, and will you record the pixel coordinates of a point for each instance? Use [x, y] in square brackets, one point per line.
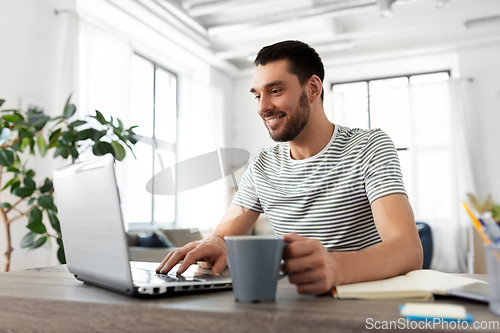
[95, 241]
[475, 291]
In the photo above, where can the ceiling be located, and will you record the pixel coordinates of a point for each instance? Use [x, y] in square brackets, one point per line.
[341, 30]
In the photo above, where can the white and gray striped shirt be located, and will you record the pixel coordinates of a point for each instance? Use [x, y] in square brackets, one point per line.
[326, 197]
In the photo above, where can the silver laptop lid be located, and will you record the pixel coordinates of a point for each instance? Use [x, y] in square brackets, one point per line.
[91, 221]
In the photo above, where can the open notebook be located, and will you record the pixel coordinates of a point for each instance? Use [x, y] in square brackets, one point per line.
[420, 284]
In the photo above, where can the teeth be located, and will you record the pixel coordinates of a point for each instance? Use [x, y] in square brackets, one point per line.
[272, 120]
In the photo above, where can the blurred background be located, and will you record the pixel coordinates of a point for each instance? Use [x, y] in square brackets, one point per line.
[425, 71]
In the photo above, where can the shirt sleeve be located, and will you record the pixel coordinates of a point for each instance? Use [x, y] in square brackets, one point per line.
[382, 171]
[247, 196]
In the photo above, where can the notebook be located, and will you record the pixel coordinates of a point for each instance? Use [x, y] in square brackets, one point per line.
[418, 284]
[95, 240]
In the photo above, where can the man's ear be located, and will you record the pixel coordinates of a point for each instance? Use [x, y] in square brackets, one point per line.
[315, 88]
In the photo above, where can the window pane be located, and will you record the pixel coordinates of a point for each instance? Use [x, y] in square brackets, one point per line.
[428, 78]
[390, 109]
[164, 205]
[165, 106]
[141, 95]
[136, 201]
[350, 103]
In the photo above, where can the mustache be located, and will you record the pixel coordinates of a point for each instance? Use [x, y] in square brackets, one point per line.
[272, 114]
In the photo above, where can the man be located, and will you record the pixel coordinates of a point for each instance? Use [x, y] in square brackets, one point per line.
[336, 194]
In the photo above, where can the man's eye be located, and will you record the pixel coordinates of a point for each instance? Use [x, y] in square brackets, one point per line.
[257, 97]
[275, 91]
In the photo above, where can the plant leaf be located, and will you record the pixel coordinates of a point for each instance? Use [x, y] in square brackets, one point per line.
[29, 183]
[99, 117]
[6, 157]
[2, 101]
[47, 186]
[54, 136]
[23, 192]
[59, 150]
[5, 135]
[35, 215]
[46, 201]
[84, 134]
[39, 242]
[10, 182]
[30, 173]
[119, 150]
[5, 205]
[38, 227]
[120, 125]
[11, 118]
[42, 145]
[60, 252]
[77, 123]
[74, 153]
[54, 220]
[25, 142]
[101, 148]
[69, 111]
[40, 123]
[14, 185]
[28, 239]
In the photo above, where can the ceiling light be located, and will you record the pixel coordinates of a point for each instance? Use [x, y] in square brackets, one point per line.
[482, 22]
[385, 7]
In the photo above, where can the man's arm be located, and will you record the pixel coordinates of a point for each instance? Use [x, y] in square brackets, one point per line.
[236, 221]
[316, 271]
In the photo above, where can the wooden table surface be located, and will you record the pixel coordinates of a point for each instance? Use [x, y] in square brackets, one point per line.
[50, 299]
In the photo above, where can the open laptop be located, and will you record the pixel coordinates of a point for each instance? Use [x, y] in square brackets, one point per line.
[95, 240]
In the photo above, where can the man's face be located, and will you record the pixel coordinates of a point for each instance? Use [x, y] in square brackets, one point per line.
[282, 101]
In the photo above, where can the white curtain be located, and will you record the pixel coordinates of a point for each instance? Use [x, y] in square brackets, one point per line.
[104, 85]
[105, 62]
[441, 168]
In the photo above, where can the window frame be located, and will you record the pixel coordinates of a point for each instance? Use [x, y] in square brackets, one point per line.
[386, 78]
[156, 143]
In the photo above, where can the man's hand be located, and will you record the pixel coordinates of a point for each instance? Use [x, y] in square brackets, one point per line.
[312, 268]
[211, 249]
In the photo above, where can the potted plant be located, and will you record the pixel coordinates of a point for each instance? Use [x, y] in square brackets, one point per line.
[22, 134]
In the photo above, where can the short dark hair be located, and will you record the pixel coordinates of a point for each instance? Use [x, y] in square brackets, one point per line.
[303, 60]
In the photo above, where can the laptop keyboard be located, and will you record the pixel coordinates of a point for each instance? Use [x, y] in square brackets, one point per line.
[145, 276]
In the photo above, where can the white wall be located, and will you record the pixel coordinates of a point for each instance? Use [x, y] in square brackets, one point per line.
[31, 38]
[483, 65]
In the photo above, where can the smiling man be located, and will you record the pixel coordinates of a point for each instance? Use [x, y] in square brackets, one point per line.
[335, 193]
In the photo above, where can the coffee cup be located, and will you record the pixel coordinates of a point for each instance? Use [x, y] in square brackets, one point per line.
[254, 263]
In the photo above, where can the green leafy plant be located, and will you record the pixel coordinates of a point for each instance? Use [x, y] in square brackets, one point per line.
[23, 134]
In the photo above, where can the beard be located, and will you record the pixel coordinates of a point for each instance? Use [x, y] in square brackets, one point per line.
[295, 123]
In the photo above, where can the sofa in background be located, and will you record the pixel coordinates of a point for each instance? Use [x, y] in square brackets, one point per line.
[154, 246]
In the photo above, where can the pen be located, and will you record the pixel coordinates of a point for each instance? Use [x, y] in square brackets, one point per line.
[477, 224]
[491, 227]
[480, 229]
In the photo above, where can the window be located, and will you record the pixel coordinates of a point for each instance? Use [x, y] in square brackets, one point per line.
[385, 104]
[153, 107]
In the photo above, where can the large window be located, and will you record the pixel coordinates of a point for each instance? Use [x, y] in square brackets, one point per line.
[153, 107]
[385, 104]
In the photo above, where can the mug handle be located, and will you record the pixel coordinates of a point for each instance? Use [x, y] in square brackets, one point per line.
[283, 275]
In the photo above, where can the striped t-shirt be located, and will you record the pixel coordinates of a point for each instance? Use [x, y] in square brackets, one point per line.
[327, 196]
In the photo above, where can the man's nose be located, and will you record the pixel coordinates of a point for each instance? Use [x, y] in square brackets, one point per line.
[264, 105]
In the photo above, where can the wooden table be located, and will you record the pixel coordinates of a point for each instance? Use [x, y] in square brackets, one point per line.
[50, 299]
